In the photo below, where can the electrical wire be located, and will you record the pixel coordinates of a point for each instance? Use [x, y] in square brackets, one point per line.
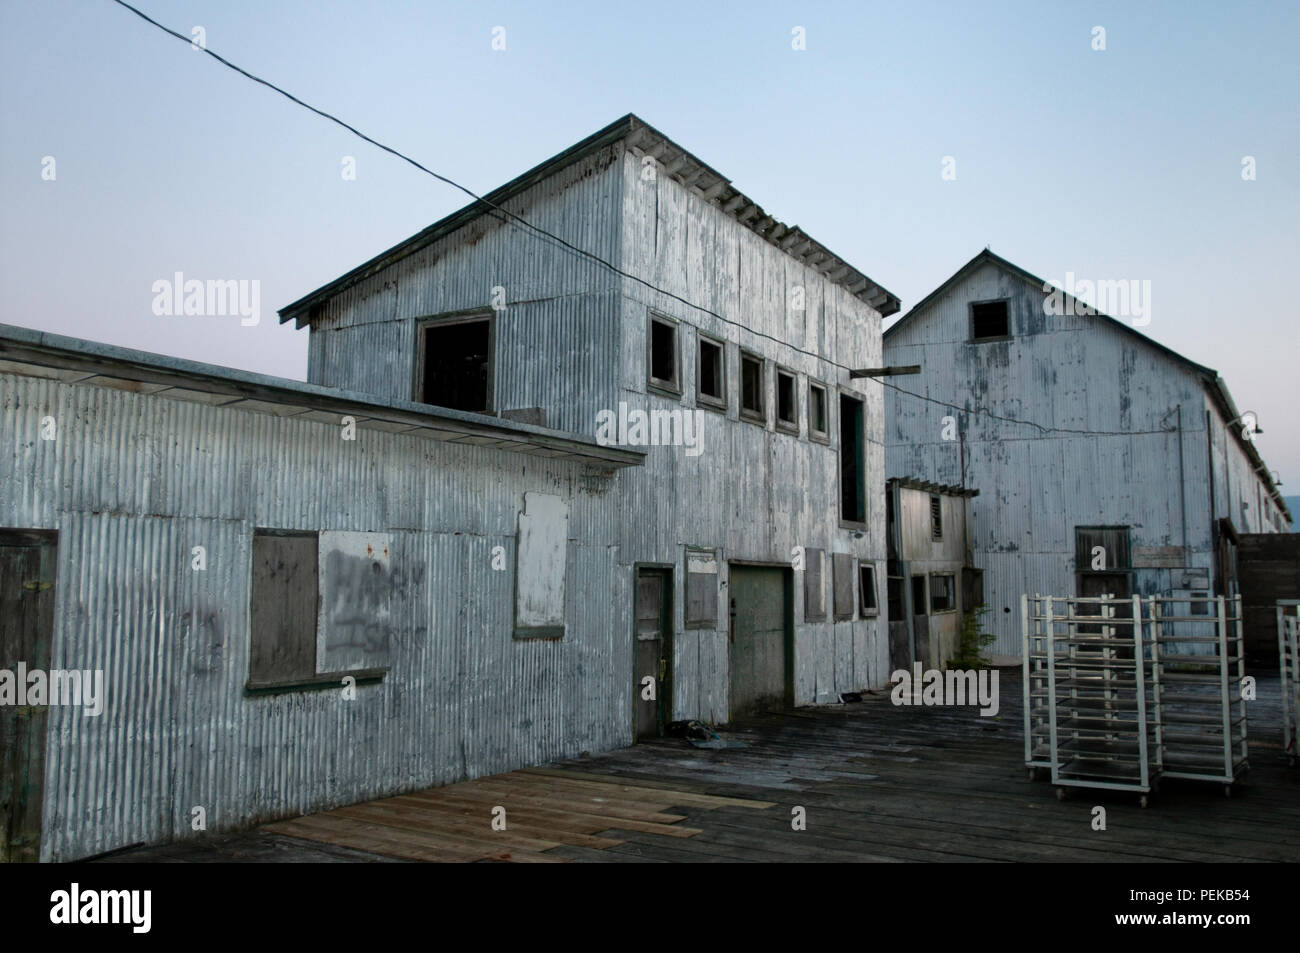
[507, 216]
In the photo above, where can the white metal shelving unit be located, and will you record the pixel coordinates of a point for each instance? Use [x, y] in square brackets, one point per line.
[1104, 698]
[1288, 652]
[1034, 615]
[1201, 650]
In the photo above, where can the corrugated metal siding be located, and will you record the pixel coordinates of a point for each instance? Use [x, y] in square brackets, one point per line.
[557, 336]
[755, 493]
[1066, 372]
[134, 482]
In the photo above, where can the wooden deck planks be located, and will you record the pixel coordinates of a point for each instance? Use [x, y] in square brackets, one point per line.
[551, 817]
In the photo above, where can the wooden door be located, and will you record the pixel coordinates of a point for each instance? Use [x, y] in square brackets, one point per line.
[759, 642]
[26, 627]
[653, 651]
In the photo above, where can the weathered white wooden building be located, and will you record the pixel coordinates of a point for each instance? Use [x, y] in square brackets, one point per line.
[740, 327]
[932, 581]
[1105, 461]
[521, 487]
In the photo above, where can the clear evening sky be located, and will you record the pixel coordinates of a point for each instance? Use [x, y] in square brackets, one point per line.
[1122, 163]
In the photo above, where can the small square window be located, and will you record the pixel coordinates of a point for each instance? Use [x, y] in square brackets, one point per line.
[751, 387]
[867, 603]
[989, 321]
[943, 592]
[818, 425]
[712, 382]
[787, 403]
[662, 358]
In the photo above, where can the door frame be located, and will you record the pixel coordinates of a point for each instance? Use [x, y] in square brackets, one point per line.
[787, 609]
[20, 538]
[667, 616]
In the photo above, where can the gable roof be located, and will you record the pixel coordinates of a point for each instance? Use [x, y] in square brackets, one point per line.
[1214, 385]
[675, 162]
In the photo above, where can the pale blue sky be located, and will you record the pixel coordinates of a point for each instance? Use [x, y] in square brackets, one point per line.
[1117, 164]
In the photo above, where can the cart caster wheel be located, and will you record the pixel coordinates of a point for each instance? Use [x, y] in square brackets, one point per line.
[1060, 794]
[1142, 801]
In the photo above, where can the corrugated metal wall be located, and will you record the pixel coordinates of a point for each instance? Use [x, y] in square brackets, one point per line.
[557, 336]
[573, 341]
[754, 493]
[133, 482]
[1066, 372]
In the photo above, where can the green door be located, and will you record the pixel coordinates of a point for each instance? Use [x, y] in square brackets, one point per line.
[760, 643]
[26, 624]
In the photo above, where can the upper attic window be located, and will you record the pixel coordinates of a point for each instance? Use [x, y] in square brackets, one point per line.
[456, 364]
[989, 321]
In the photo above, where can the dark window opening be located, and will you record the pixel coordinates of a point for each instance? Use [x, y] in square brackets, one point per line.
[663, 353]
[936, 517]
[853, 489]
[751, 385]
[458, 366]
[867, 589]
[894, 587]
[989, 320]
[787, 412]
[918, 596]
[943, 592]
[817, 425]
[713, 388]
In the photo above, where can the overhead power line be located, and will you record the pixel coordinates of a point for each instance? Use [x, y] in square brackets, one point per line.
[507, 216]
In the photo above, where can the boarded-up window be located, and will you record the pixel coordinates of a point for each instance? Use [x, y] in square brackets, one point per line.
[539, 567]
[1101, 548]
[867, 599]
[894, 585]
[282, 611]
[354, 629]
[701, 589]
[842, 571]
[814, 593]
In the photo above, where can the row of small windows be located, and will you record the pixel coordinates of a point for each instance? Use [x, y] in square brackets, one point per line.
[711, 381]
[664, 374]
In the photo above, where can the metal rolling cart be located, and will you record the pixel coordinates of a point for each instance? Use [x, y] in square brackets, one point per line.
[1288, 654]
[1104, 697]
[1034, 614]
[1200, 651]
